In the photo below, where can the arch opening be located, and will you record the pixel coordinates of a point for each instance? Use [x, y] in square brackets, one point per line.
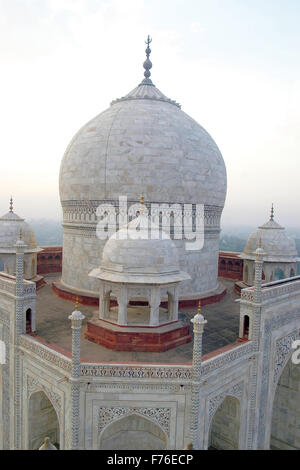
[246, 327]
[42, 421]
[292, 273]
[225, 426]
[278, 275]
[133, 432]
[29, 322]
[285, 429]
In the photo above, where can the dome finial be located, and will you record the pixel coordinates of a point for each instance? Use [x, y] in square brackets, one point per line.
[11, 205]
[142, 200]
[272, 213]
[147, 64]
[76, 303]
[199, 307]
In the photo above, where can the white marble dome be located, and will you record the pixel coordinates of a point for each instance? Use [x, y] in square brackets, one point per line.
[143, 143]
[10, 226]
[277, 245]
[127, 258]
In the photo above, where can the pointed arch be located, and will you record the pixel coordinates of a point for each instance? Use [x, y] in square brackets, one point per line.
[225, 425]
[133, 432]
[43, 420]
[285, 414]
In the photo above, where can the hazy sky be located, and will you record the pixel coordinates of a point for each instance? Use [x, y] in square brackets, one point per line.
[232, 64]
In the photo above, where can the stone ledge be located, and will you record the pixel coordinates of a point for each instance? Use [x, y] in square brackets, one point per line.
[120, 338]
[93, 300]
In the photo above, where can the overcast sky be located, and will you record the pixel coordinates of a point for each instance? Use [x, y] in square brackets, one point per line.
[232, 64]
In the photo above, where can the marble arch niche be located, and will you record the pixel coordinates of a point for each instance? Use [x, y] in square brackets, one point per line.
[133, 432]
[225, 426]
[278, 274]
[285, 429]
[43, 421]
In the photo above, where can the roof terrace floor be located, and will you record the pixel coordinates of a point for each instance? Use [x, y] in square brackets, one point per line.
[54, 327]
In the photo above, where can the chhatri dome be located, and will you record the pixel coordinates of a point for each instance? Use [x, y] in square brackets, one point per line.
[280, 252]
[140, 269]
[143, 143]
[11, 228]
[140, 257]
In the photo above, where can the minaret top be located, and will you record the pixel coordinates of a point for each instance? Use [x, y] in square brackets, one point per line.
[199, 319]
[147, 64]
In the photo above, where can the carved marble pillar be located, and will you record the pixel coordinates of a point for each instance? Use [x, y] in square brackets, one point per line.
[76, 322]
[102, 312]
[175, 303]
[198, 323]
[122, 306]
[154, 306]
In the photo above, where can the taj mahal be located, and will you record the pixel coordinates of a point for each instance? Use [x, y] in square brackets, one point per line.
[162, 350]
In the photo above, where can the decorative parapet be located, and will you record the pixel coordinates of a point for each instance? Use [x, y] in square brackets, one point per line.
[182, 373]
[272, 291]
[157, 372]
[29, 290]
[8, 285]
[226, 358]
[47, 354]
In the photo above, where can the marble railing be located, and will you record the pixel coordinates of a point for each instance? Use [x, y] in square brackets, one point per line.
[44, 352]
[158, 372]
[273, 291]
[223, 359]
[8, 285]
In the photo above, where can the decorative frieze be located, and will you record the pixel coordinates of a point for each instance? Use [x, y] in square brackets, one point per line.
[142, 372]
[160, 416]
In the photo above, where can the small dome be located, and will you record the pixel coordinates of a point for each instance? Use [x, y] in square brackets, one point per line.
[10, 227]
[277, 245]
[132, 255]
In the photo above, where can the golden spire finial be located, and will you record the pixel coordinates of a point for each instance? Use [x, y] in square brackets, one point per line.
[77, 303]
[199, 308]
[259, 243]
[142, 200]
